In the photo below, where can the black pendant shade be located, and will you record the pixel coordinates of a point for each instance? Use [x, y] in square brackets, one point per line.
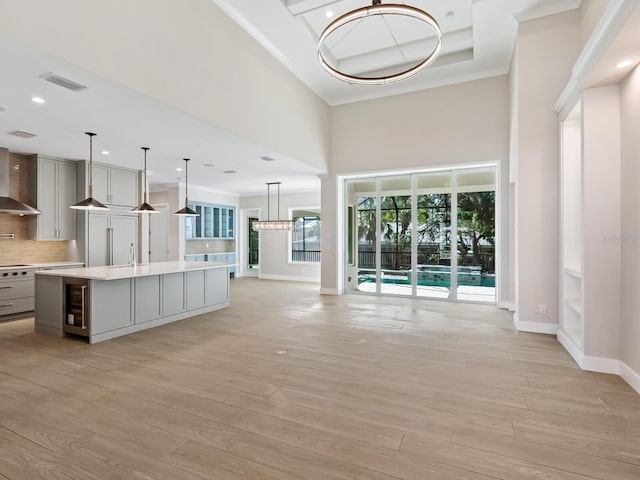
[90, 203]
[144, 207]
[186, 211]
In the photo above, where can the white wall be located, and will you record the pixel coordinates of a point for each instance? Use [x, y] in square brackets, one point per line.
[630, 199]
[189, 55]
[601, 222]
[547, 50]
[275, 262]
[457, 124]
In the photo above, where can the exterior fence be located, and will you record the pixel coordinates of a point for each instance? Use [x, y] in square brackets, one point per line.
[305, 256]
[392, 260]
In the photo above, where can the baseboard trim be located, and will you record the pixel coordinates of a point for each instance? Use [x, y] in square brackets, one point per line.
[289, 278]
[599, 364]
[329, 291]
[631, 377]
[507, 306]
[534, 327]
[570, 346]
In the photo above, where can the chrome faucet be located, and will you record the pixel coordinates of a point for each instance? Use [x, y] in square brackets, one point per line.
[132, 253]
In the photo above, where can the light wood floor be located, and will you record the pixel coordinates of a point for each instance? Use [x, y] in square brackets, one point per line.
[371, 388]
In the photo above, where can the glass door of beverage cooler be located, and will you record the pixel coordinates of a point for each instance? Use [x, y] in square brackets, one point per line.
[76, 307]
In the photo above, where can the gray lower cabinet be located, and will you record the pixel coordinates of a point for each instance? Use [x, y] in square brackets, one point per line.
[195, 289]
[217, 286]
[173, 294]
[48, 304]
[148, 299]
[110, 305]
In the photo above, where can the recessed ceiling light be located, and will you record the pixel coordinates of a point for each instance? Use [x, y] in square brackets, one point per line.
[230, 171]
[178, 169]
[105, 152]
[210, 165]
[267, 159]
[449, 14]
[624, 64]
[1, 109]
[329, 13]
[37, 100]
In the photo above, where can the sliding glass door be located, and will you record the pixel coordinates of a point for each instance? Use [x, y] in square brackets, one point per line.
[476, 208]
[433, 269]
[400, 231]
[395, 235]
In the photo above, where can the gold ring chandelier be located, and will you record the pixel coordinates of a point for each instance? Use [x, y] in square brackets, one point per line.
[377, 8]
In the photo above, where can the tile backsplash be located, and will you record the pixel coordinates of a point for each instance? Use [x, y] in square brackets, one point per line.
[209, 246]
[21, 249]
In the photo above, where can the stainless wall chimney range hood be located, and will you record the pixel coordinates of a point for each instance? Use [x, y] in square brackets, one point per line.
[8, 204]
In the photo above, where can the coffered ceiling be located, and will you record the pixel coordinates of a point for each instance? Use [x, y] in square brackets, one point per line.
[478, 40]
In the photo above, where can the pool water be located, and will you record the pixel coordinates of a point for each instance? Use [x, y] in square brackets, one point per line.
[485, 281]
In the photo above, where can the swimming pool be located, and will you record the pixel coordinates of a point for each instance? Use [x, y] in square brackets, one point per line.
[431, 276]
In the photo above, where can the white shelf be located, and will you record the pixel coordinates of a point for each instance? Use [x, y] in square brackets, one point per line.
[574, 303]
[573, 272]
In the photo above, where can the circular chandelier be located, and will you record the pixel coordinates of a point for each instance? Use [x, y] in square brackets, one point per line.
[377, 8]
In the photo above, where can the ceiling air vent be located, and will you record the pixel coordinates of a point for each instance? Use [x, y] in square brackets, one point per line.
[63, 82]
[22, 134]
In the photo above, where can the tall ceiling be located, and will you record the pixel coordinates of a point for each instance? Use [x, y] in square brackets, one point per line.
[125, 121]
[478, 40]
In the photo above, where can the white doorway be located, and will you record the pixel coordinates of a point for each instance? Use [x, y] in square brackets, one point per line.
[158, 234]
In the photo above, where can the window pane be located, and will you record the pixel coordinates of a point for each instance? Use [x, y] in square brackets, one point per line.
[395, 240]
[476, 235]
[305, 239]
[433, 234]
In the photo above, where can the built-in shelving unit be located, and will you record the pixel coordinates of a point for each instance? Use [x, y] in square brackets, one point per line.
[590, 227]
[571, 308]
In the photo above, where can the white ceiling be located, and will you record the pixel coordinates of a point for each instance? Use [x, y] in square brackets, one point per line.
[478, 40]
[60, 124]
[289, 30]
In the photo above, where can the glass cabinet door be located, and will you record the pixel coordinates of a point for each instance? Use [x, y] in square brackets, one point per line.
[216, 222]
[225, 225]
[231, 223]
[198, 221]
[207, 220]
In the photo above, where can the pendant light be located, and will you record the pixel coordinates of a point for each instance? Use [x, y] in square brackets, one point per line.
[90, 203]
[144, 207]
[186, 211]
[269, 225]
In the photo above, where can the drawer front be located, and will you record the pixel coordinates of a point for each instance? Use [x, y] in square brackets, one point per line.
[18, 305]
[19, 289]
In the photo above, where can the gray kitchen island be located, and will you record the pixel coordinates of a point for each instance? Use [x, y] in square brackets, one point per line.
[101, 303]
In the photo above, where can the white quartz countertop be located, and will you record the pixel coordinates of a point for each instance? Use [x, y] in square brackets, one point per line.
[32, 266]
[118, 272]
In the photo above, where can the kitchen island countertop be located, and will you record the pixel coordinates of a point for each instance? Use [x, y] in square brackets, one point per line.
[118, 272]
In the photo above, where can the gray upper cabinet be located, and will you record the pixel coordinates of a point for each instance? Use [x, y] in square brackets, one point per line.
[214, 221]
[52, 190]
[115, 186]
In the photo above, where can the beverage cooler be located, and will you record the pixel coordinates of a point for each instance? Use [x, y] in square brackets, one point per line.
[76, 307]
